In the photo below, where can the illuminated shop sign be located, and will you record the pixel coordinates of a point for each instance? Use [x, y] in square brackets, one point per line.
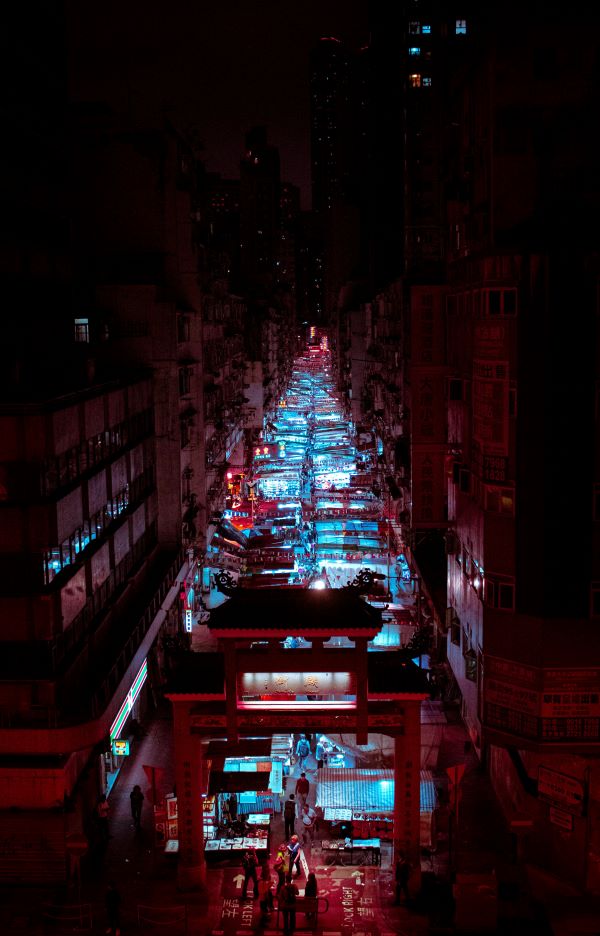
[269, 450]
[123, 713]
[294, 685]
[120, 747]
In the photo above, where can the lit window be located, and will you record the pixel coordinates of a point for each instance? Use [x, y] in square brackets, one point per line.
[82, 330]
[414, 50]
[461, 27]
[471, 665]
[426, 30]
[414, 28]
[415, 81]
[426, 82]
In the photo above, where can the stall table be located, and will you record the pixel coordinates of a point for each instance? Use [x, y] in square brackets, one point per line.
[355, 851]
[261, 820]
[234, 848]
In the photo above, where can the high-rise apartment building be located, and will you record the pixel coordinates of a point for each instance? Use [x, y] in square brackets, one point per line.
[260, 200]
[522, 342]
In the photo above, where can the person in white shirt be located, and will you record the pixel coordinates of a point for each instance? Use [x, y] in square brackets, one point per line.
[308, 823]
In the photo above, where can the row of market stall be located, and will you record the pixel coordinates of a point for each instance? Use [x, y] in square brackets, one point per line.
[309, 514]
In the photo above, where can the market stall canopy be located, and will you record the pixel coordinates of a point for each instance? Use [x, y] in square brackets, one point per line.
[228, 781]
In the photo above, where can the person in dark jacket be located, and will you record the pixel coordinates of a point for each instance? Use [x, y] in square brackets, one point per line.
[311, 890]
[137, 798]
[402, 877]
[289, 815]
[287, 904]
[250, 864]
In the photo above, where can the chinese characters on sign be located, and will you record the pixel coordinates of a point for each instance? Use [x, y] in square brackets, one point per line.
[295, 684]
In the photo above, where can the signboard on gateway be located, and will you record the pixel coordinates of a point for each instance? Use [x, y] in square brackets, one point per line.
[561, 790]
[310, 688]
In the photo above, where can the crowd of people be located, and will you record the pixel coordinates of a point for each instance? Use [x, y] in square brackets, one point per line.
[278, 881]
[287, 868]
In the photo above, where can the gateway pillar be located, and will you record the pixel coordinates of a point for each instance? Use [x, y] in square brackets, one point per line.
[407, 789]
[191, 783]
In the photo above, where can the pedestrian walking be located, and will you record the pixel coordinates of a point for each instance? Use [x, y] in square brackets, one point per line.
[302, 751]
[250, 864]
[311, 890]
[102, 812]
[294, 851]
[289, 816]
[137, 798]
[321, 751]
[308, 823]
[265, 894]
[112, 901]
[302, 790]
[287, 905]
[403, 868]
[232, 803]
[281, 864]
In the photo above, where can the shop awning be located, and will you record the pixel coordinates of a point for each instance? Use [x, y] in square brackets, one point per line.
[238, 782]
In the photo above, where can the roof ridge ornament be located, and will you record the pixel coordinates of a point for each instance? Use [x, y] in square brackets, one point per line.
[226, 583]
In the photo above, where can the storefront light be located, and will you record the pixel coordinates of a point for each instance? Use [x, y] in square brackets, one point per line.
[130, 699]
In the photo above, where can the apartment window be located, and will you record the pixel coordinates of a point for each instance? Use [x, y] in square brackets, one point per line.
[56, 558]
[82, 330]
[464, 482]
[414, 50]
[455, 631]
[183, 328]
[426, 29]
[414, 28]
[185, 377]
[415, 81]
[460, 27]
[184, 432]
[426, 82]
[499, 593]
[500, 302]
[455, 388]
[471, 665]
[500, 500]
